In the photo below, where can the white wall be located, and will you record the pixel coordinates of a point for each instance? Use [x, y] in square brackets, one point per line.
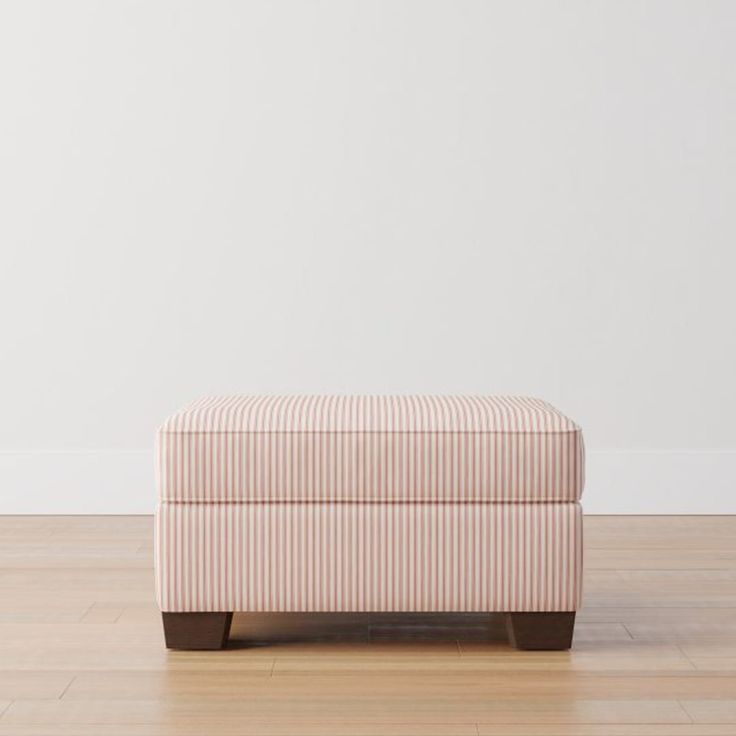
[530, 197]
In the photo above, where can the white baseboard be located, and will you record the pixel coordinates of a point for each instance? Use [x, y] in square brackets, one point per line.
[660, 482]
[77, 482]
[122, 482]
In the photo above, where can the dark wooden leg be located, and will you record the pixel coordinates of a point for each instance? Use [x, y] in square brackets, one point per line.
[196, 630]
[540, 630]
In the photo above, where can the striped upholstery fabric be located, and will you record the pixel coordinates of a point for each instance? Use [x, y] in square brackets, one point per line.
[370, 448]
[369, 557]
[369, 503]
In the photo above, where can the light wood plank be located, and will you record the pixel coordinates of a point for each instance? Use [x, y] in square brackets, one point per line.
[715, 664]
[418, 683]
[40, 685]
[711, 711]
[334, 710]
[368, 729]
[260, 728]
[658, 615]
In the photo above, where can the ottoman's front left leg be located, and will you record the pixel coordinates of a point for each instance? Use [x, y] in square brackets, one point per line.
[200, 630]
[551, 631]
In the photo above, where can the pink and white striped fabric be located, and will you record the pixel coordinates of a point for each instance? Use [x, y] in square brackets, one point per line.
[370, 448]
[369, 503]
[369, 557]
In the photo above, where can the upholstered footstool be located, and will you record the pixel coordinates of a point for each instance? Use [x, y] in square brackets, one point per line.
[369, 503]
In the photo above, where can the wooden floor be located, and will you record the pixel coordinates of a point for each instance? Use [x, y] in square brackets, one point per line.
[81, 648]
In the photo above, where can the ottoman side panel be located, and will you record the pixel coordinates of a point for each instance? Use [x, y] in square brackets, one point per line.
[368, 557]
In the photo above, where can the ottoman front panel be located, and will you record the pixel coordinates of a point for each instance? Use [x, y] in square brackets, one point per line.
[370, 449]
[369, 557]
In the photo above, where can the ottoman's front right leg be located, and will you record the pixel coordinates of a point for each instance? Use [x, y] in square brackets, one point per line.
[200, 630]
[551, 631]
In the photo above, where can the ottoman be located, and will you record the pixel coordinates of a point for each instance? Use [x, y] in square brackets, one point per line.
[369, 504]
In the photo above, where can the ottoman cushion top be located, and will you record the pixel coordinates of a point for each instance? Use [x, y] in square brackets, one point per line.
[369, 449]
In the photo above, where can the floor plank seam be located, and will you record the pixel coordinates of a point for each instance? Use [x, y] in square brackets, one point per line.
[685, 711]
[68, 685]
[6, 709]
[692, 664]
[626, 629]
[86, 613]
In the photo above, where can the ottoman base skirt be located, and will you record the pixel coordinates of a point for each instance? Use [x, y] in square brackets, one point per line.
[522, 559]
